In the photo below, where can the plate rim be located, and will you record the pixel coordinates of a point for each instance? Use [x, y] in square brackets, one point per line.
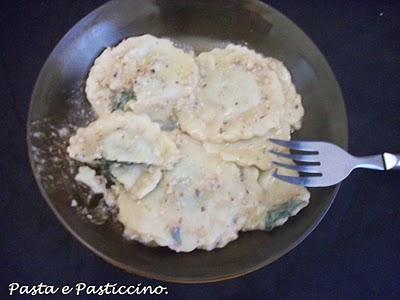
[153, 275]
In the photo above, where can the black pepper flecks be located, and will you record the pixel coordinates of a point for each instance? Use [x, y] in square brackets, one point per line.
[241, 174]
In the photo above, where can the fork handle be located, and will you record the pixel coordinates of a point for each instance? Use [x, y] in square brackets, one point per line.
[392, 161]
[383, 162]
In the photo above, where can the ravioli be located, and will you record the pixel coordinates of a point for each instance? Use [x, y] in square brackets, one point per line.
[137, 179]
[124, 137]
[145, 74]
[252, 205]
[197, 204]
[238, 97]
[279, 202]
[293, 109]
[251, 152]
[181, 150]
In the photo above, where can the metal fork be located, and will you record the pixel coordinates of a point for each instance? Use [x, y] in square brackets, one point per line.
[327, 164]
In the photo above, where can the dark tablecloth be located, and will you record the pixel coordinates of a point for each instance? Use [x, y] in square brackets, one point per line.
[353, 253]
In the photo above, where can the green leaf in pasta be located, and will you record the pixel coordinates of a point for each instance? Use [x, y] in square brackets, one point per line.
[123, 99]
[279, 215]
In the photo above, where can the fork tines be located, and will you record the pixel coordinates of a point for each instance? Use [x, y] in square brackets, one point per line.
[309, 160]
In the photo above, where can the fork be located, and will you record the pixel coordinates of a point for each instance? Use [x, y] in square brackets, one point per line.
[327, 164]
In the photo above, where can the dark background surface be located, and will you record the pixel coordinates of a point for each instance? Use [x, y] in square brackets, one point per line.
[353, 253]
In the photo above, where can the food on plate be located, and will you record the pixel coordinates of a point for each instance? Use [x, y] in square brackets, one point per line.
[239, 96]
[197, 204]
[138, 180]
[145, 74]
[279, 202]
[251, 152]
[125, 138]
[181, 146]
